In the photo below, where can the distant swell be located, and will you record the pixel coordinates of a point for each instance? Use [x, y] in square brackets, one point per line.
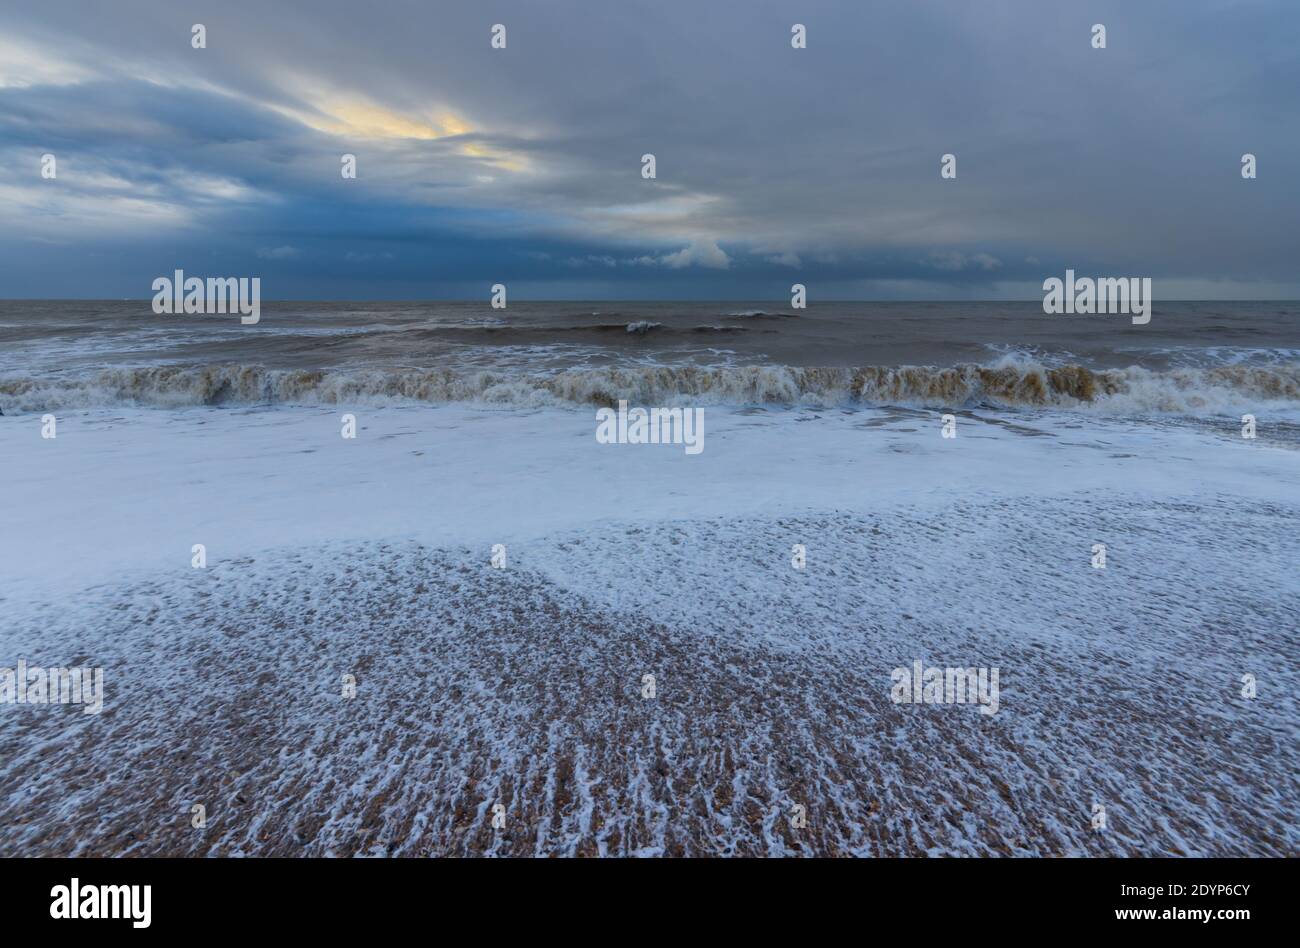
[759, 314]
[1010, 383]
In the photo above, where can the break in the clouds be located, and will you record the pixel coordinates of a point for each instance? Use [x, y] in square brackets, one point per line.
[774, 165]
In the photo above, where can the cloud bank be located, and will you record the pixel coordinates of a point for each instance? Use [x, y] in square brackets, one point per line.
[522, 165]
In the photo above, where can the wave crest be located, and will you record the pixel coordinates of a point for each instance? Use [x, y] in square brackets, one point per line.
[1009, 383]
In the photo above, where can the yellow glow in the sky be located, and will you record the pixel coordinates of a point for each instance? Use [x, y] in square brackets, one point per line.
[358, 119]
[363, 120]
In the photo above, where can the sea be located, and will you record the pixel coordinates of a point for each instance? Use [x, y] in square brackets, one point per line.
[1192, 358]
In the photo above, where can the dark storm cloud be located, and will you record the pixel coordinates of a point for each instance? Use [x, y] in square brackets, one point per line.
[774, 165]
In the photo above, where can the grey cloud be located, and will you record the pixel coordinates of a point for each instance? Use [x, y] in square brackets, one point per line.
[1122, 160]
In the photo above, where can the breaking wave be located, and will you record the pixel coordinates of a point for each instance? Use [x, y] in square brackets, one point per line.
[1008, 383]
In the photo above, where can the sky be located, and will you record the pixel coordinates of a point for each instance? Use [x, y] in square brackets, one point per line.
[774, 165]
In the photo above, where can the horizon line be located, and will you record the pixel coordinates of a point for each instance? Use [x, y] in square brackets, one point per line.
[705, 299]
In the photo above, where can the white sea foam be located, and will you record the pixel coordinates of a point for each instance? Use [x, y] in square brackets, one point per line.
[521, 685]
[145, 484]
[641, 327]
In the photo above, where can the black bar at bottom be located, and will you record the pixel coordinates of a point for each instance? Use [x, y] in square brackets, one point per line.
[336, 897]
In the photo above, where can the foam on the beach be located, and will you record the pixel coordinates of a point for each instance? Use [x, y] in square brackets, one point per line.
[521, 686]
